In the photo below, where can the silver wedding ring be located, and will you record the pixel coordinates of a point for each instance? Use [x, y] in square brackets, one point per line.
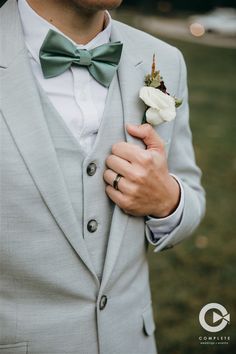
[116, 181]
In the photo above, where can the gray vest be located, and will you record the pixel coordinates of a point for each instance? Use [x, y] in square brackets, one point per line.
[86, 186]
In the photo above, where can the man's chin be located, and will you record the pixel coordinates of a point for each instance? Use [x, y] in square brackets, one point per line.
[97, 5]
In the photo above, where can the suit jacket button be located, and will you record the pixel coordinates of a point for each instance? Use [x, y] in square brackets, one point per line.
[103, 302]
[92, 226]
[91, 169]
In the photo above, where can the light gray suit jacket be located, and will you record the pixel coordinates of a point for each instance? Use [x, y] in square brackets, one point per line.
[50, 296]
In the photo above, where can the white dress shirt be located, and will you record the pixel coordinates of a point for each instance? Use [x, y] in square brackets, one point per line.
[79, 98]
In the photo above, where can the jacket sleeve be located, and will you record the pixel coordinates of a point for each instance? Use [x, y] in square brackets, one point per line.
[181, 162]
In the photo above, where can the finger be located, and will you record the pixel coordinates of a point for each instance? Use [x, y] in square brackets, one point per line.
[146, 133]
[126, 151]
[110, 176]
[119, 165]
[115, 195]
[124, 186]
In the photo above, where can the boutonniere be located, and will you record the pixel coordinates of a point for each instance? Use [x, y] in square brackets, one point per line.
[161, 106]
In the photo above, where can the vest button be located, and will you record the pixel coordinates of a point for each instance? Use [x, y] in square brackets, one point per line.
[91, 169]
[103, 302]
[92, 226]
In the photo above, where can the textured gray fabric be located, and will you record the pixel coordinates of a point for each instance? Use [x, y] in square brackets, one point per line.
[87, 193]
[49, 286]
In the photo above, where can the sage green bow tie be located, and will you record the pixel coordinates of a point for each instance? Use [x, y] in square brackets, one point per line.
[58, 53]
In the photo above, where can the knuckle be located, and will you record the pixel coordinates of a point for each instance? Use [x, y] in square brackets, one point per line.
[148, 128]
[142, 179]
[107, 189]
[109, 159]
[162, 143]
[107, 174]
[132, 176]
[140, 176]
[147, 157]
[134, 191]
[116, 147]
[126, 204]
[130, 205]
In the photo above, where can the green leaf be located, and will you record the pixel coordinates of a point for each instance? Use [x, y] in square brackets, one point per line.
[155, 83]
[178, 102]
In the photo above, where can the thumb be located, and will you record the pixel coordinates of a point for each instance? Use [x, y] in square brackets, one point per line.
[147, 134]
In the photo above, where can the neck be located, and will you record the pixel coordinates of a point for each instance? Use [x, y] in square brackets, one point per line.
[75, 22]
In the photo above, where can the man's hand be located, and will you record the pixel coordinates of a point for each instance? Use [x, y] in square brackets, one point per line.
[146, 187]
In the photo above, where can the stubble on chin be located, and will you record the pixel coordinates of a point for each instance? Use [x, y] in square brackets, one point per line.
[95, 5]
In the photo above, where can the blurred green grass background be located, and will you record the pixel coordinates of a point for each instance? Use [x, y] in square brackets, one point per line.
[201, 270]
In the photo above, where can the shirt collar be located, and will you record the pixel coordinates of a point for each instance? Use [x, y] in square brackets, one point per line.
[35, 29]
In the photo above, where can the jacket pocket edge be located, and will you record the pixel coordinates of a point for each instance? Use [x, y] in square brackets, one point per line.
[148, 321]
[14, 348]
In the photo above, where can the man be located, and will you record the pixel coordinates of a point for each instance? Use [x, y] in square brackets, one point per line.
[84, 186]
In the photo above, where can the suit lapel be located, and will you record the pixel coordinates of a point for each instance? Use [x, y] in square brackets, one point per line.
[24, 116]
[2, 2]
[133, 68]
[131, 76]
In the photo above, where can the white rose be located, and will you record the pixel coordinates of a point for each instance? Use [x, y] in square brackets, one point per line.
[162, 106]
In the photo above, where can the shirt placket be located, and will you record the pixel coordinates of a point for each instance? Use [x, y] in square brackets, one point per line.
[82, 87]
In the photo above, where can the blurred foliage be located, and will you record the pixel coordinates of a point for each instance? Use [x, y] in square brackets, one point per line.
[202, 269]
